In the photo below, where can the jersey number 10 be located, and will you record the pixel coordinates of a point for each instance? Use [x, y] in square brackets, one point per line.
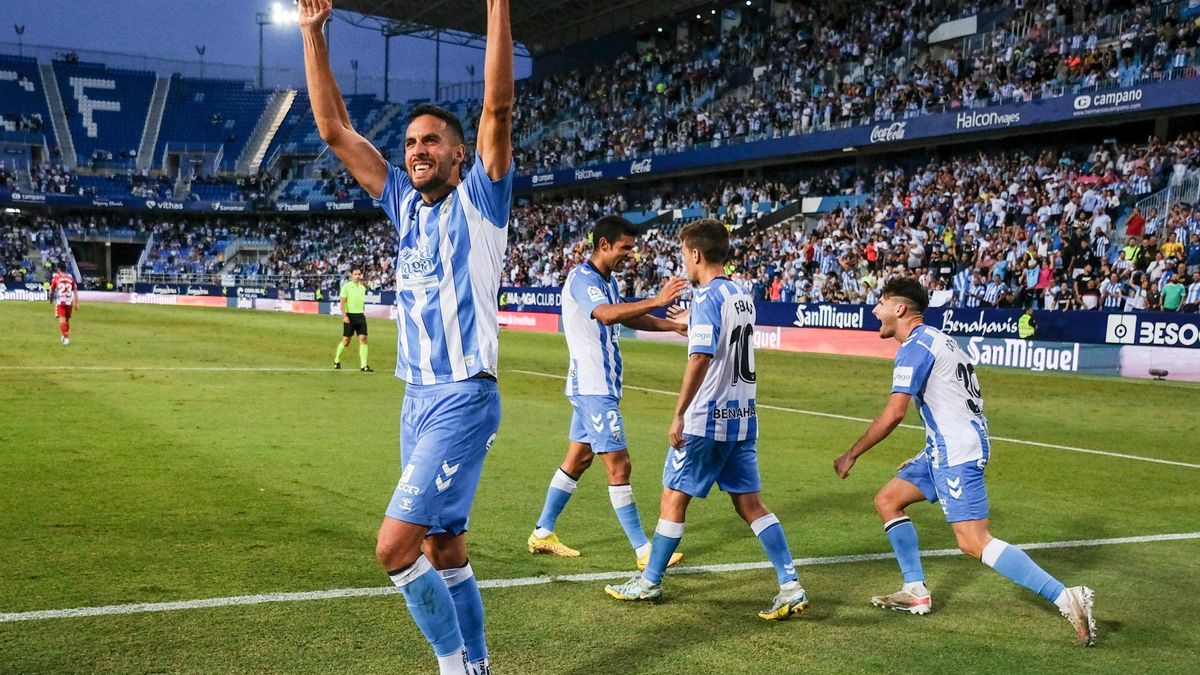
[740, 343]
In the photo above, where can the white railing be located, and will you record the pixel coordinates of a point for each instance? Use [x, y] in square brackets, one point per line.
[1185, 188]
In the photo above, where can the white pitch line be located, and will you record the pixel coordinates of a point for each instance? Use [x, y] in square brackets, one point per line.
[850, 418]
[337, 593]
[181, 369]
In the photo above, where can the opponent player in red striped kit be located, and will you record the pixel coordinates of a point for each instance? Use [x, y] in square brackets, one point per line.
[64, 295]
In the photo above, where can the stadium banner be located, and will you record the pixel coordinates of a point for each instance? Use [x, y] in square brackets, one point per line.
[531, 299]
[538, 322]
[192, 290]
[1139, 98]
[1038, 356]
[25, 291]
[18, 198]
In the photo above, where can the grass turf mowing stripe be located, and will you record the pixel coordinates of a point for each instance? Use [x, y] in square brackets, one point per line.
[180, 369]
[850, 418]
[337, 593]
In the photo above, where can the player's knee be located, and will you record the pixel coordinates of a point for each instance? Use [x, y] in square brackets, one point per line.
[970, 545]
[619, 468]
[392, 554]
[886, 505]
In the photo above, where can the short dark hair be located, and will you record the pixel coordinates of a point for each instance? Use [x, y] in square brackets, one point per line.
[60, 266]
[355, 268]
[611, 229]
[908, 289]
[709, 236]
[441, 113]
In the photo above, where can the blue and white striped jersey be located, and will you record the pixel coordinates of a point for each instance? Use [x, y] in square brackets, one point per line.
[934, 371]
[722, 325]
[595, 367]
[448, 275]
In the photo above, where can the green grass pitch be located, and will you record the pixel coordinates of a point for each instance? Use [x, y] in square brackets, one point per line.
[129, 473]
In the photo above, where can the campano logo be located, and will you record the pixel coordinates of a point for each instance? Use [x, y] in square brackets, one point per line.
[1083, 102]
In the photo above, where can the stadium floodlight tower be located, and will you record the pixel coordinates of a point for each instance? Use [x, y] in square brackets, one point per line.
[279, 16]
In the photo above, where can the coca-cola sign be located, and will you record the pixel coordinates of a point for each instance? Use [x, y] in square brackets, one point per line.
[886, 134]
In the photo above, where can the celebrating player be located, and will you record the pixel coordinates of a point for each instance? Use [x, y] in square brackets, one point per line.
[933, 373]
[591, 309]
[353, 298]
[715, 429]
[452, 227]
[64, 295]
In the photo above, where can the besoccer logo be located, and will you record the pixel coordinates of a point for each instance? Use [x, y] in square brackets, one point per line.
[1121, 329]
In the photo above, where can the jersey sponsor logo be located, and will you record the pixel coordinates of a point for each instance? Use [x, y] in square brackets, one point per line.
[902, 376]
[701, 335]
[595, 294]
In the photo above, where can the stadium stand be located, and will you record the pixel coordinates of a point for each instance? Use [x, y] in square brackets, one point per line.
[215, 114]
[23, 106]
[105, 109]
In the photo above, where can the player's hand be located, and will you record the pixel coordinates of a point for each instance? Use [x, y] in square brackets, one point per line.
[843, 464]
[679, 314]
[670, 292]
[314, 13]
[345, 318]
[675, 433]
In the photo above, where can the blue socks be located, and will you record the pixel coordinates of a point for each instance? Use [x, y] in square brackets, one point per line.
[562, 487]
[666, 540]
[903, 535]
[1013, 563]
[431, 606]
[621, 497]
[770, 535]
[469, 608]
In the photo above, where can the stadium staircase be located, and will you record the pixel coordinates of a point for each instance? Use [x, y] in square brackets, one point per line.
[256, 148]
[1180, 190]
[158, 103]
[58, 116]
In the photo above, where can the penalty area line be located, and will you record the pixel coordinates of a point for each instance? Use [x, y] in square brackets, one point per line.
[850, 418]
[337, 593]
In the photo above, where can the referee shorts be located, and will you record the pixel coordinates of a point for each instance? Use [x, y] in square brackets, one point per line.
[357, 325]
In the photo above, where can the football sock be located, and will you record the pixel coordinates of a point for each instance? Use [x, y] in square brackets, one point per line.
[903, 535]
[64, 328]
[431, 606]
[770, 535]
[561, 488]
[362, 356]
[666, 540]
[621, 497]
[1013, 563]
[468, 605]
[341, 349]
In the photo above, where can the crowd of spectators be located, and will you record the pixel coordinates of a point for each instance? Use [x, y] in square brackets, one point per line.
[21, 237]
[53, 178]
[823, 66]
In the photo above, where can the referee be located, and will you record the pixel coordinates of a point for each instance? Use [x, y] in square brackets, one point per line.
[353, 296]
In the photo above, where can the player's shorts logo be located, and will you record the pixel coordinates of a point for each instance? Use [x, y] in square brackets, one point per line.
[1121, 328]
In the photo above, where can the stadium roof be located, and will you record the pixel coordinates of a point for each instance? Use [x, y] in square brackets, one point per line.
[541, 25]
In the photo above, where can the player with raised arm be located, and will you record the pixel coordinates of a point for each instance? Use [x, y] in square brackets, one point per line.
[64, 295]
[714, 433]
[452, 228]
[353, 300]
[592, 312]
[934, 374]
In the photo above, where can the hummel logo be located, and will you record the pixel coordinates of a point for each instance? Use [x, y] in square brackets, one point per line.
[598, 422]
[449, 471]
[956, 493]
[954, 483]
[680, 457]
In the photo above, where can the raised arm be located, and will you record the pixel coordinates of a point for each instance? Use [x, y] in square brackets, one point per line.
[494, 142]
[333, 122]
